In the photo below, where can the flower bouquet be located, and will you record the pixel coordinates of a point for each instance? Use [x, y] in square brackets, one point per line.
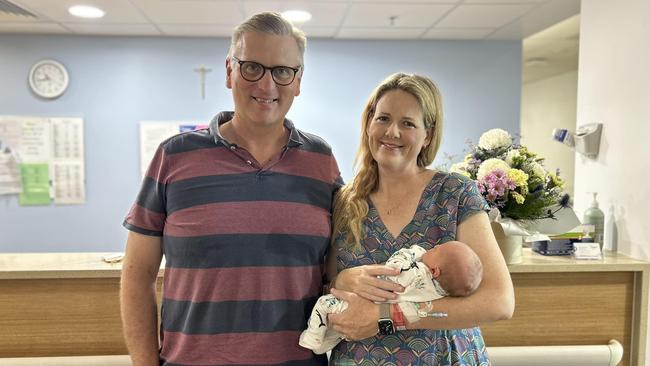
[514, 182]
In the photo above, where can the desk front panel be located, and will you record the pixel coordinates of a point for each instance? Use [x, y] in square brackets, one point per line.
[569, 308]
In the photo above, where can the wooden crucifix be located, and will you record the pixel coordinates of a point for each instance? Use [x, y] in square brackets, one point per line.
[202, 70]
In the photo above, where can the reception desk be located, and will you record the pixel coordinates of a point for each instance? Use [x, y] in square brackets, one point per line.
[66, 304]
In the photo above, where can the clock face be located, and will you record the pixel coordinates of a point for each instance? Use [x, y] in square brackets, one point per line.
[48, 78]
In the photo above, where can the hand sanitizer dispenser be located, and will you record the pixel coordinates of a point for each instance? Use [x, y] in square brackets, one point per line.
[586, 140]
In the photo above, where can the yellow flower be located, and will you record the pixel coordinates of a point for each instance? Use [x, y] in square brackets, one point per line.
[460, 168]
[518, 197]
[557, 181]
[518, 176]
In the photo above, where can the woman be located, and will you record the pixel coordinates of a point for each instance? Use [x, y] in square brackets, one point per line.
[394, 202]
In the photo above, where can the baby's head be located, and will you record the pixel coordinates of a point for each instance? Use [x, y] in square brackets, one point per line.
[455, 266]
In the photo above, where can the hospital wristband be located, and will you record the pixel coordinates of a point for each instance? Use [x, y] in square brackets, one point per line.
[399, 322]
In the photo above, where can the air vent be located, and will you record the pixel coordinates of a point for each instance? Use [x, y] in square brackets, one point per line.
[10, 8]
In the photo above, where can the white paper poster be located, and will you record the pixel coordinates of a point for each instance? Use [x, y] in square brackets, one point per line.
[10, 182]
[10, 137]
[68, 174]
[68, 183]
[152, 133]
[56, 142]
[36, 143]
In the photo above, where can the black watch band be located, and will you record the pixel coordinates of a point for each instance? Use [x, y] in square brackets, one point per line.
[385, 323]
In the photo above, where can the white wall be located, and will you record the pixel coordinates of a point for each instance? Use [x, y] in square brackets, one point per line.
[547, 104]
[614, 89]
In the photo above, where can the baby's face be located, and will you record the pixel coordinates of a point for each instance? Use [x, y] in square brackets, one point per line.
[429, 258]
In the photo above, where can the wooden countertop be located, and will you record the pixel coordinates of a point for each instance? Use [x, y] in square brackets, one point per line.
[611, 262]
[91, 265]
[59, 265]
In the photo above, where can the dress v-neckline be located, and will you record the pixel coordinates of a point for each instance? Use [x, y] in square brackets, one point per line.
[380, 220]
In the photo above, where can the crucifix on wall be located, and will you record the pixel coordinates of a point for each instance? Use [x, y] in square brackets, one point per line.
[202, 70]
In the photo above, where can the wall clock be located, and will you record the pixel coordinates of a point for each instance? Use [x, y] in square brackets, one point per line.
[48, 79]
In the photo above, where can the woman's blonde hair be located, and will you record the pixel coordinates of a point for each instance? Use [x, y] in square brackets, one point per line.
[351, 205]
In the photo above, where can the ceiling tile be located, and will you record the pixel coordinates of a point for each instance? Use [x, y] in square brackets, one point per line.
[409, 1]
[319, 32]
[196, 30]
[114, 29]
[457, 33]
[407, 15]
[323, 14]
[13, 18]
[502, 1]
[191, 11]
[542, 17]
[487, 16]
[217, 17]
[44, 28]
[117, 11]
[380, 33]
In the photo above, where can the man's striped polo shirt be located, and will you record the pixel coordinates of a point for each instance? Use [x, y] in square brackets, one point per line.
[244, 245]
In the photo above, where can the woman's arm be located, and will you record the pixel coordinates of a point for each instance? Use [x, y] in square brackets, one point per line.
[362, 280]
[493, 300]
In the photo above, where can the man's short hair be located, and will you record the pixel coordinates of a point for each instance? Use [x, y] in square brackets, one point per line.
[269, 23]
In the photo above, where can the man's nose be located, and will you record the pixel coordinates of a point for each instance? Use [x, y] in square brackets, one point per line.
[266, 82]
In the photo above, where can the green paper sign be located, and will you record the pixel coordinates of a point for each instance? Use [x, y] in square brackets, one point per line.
[36, 184]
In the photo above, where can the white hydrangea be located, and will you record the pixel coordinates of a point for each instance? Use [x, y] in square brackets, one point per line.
[511, 156]
[460, 168]
[490, 165]
[495, 138]
[538, 170]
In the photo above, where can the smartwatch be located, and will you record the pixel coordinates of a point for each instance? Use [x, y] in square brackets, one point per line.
[385, 323]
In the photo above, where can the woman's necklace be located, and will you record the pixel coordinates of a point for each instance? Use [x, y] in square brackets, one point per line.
[397, 202]
[392, 206]
[390, 210]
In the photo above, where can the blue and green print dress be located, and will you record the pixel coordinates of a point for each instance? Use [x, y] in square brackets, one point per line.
[446, 201]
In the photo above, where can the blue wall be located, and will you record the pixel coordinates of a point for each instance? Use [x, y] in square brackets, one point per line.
[117, 82]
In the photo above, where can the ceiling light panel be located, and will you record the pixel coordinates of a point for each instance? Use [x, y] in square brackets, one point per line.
[117, 11]
[86, 11]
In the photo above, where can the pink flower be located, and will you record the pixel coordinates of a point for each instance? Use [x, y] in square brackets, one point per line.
[495, 185]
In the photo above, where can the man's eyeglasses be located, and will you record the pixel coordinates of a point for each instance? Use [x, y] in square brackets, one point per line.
[253, 71]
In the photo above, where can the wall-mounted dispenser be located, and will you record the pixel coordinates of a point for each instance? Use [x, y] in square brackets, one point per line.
[586, 139]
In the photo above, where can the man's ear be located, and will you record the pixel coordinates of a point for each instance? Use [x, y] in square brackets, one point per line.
[228, 73]
[297, 91]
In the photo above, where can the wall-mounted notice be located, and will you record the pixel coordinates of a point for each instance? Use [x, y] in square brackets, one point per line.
[152, 133]
[68, 161]
[42, 152]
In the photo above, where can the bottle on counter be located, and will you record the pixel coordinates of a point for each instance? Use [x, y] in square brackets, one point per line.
[595, 216]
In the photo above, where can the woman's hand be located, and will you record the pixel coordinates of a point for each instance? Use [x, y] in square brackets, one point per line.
[364, 282]
[359, 320]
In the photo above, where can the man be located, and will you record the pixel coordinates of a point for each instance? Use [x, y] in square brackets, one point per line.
[242, 213]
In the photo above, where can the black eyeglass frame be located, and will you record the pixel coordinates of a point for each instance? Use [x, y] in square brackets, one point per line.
[271, 69]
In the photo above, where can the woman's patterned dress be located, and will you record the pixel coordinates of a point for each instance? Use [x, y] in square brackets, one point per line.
[446, 201]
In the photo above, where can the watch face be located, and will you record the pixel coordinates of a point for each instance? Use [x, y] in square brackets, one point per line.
[385, 326]
[48, 78]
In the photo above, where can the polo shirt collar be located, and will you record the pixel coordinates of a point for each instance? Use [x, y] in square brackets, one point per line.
[295, 138]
